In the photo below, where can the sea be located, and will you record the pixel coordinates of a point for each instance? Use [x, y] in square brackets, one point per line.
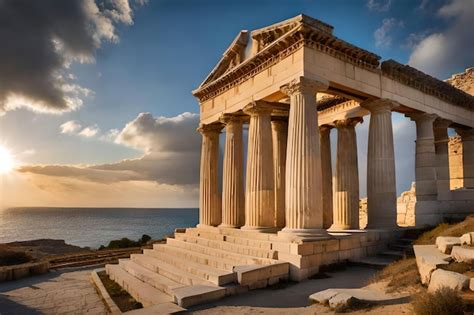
[92, 227]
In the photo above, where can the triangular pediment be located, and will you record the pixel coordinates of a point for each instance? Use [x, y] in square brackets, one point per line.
[242, 48]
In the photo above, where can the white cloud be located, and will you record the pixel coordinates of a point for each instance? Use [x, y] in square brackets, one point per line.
[171, 146]
[382, 35]
[443, 53]
[70, 127]
[380, 6]
[89, 131]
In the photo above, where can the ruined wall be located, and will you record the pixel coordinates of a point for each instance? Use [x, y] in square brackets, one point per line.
[463, 81]
[455, 163]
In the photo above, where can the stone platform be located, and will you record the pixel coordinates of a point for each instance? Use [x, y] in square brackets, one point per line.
[200, 265]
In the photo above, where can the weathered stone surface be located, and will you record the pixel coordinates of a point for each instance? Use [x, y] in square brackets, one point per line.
[446, 243]
[471, 284]
[428, 258]
[322, 297]
[463, 254]
[467, 239]
[443, 278]
[341, 299]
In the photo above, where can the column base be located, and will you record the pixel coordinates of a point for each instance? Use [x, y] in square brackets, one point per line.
[205, 226]
[339, 227]
[303, 234]
[228, 226]
[259, 229]
[381, 227]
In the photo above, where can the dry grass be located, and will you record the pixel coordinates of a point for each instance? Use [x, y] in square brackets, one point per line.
[445, 229]
[444, 301]
[400, 275]
[459, 267]
[124, 301]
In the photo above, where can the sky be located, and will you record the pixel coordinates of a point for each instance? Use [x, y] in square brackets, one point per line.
[95, 96]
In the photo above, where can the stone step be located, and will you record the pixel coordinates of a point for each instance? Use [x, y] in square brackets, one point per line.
[228, 246]
[189, 255]
[154, 279]
[243, 239]
[167, 270]
[254, 235]
[374, 262]
[240, 259]
[140, 291]
[214, 275]
[406, 249]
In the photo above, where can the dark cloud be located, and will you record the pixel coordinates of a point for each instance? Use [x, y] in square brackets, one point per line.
[40, 39]
[172, 154]
[443, 53]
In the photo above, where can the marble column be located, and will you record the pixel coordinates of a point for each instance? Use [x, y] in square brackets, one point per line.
[233, 213]
[425, 161]
[303, 209]
[381, 182]
[279, 139]
[441, 139]
[346, 184]
[259, 194]
[326, 174]
[210, 213]
[467, 138]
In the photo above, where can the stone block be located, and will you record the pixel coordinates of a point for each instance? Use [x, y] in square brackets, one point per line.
[467, 239]
[443, 278]
[39, 268]
[428, 258]
[471, 284]
[331, 245]
[349, 243]
[463, 254]
[340, 300]
[20, 272]
[322, 297]
[446, 243]
[258, 285]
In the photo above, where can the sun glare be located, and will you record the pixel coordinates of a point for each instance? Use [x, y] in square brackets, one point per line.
[7, 163]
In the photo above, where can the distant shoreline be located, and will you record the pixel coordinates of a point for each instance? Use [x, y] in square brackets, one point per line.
[102, 208]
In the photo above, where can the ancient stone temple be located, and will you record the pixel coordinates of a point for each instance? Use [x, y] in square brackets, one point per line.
[286, 211]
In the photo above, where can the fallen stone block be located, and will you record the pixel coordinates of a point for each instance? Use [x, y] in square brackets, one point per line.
[446, 243]
[341, 300]
[443, 278]
[428, 258]
[467, 239]
[463, 254]
[322, 297]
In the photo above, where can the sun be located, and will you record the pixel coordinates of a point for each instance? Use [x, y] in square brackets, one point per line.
[7, 162]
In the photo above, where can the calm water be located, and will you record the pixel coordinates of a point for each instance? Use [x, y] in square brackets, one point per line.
[91, 226]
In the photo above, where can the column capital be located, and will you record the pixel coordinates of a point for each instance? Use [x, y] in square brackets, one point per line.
[422, 117]
[466, 134]
[348, 122]
[325, 128]
[231, 118]
[442, 123]
[215, 128]
[304, 85]
[279, 123]
[379, 105]
[258, 107]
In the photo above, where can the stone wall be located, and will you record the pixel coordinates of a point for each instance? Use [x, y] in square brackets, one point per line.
[463, 81]
[405, 208]
[455, 163]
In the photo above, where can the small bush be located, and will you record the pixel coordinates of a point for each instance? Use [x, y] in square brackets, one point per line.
[145, 239]
[9, 258]
[445, 301]
[126, 243]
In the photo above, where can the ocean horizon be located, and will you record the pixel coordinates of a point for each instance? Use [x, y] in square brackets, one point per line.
[92, 227]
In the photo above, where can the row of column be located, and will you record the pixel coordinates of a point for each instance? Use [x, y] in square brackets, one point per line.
[288, 176]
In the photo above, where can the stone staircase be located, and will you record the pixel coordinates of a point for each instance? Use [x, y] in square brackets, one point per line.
[199, 266]
[400, 248]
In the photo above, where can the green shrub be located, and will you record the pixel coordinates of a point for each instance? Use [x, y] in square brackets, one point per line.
[126, 243]
[444, 301]
[9, 258]
[145, 238]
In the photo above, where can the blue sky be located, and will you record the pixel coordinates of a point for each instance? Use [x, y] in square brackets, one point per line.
[172, 45]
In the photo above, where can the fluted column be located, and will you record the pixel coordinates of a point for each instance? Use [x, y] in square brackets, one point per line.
[442, 155]
[381, 182]
[346, 184]
[425, 162]
[303, 209]
[233, 214]
[326, 174]
[210, 213]
[279, 138]
[259, 194]
[467, 138]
